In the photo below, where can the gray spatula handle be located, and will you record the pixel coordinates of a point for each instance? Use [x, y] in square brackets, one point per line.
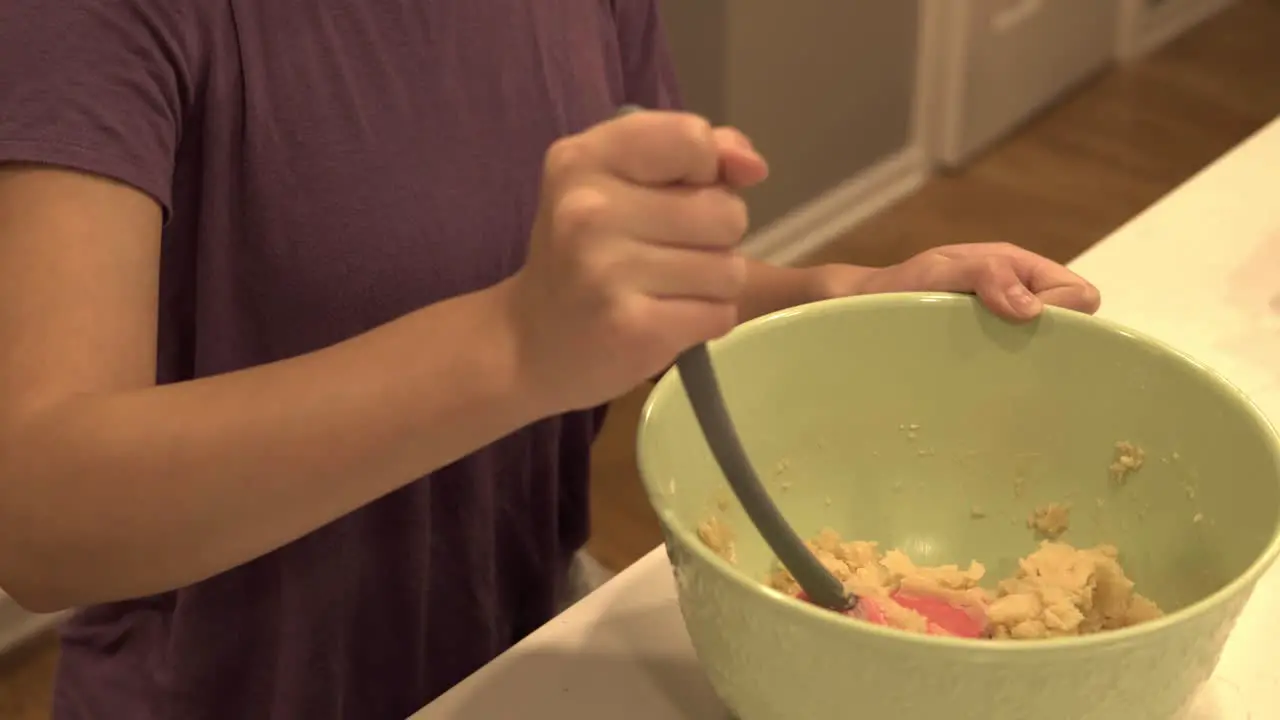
[703, 389]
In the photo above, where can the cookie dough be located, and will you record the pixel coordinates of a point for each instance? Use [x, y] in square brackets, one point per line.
[715, 534]
[1128, 459]
[1062, 591]
[1050, 520]
[1058, 591]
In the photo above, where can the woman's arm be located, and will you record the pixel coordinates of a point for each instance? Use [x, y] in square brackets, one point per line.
[771, 288]
[111, 487]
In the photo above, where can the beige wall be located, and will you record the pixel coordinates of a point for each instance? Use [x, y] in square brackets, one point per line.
[824, 87]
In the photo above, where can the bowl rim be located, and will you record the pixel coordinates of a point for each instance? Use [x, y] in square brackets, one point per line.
[1241, 584]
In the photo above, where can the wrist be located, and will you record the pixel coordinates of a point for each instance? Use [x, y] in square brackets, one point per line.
[839, 280]
[508, 362]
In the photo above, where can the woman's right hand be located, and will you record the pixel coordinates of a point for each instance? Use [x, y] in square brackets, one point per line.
[634, 255]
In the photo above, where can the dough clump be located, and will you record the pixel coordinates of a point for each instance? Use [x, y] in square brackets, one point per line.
[1058, 591]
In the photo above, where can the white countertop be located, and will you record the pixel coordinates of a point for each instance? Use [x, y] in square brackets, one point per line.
[1200, 269]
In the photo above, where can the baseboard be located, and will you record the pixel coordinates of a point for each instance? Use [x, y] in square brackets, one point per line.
[1146, 29]
[17, 626]
[833, 214]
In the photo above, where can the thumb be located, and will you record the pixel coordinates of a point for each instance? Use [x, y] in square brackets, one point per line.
[741, 166]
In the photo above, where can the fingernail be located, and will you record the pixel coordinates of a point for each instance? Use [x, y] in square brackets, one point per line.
[1022, 300]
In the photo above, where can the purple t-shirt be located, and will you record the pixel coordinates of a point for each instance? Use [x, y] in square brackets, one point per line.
[327, 166]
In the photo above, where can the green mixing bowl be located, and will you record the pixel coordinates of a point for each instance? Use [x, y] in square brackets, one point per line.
[890, 418]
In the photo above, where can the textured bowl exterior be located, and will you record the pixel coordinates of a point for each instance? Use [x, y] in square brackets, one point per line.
[828, 393]
[769, 661]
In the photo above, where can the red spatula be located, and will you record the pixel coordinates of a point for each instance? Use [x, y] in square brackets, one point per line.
[943, 617]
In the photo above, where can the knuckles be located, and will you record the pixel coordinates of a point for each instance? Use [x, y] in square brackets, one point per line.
[692, 131]
[717, 217]
[625, 316]
[580, 211]
[736, 217]
[991, 267]
[564, 157]
[637, 329]
[721, 319]
[684, 132]
[684, 135]
[710, 217]
[735, 274]
[629, 320]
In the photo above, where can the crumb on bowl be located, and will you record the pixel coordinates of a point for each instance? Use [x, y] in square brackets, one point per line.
[1051, 520]
[1128, 459]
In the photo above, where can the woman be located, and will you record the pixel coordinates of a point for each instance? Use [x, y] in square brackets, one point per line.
[307, 306]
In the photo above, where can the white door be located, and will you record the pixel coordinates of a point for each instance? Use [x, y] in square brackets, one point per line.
[998, 62]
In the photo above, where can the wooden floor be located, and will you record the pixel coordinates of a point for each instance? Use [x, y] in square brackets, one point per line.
[1060, 184]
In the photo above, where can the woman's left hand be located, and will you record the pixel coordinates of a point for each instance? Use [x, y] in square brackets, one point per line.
[1012, 282]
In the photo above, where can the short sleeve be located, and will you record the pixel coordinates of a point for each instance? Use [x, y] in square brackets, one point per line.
[95, 86]
[649, 75]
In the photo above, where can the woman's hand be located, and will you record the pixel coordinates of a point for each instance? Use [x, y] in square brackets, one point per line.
[634, 255]
[1012, 282]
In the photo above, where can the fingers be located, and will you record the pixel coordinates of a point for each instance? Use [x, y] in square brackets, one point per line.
[677, 273]
[1050, 282]
[673, 243]
[642, 208]
[662, 177]
[656, 148]
[708, 218]
[1056, 285]
[685, 323]
[633, 256]
[740, 165]
[1081, 298]
[712, 218]
[663, 148]
[994, 279]
[1003, 292]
